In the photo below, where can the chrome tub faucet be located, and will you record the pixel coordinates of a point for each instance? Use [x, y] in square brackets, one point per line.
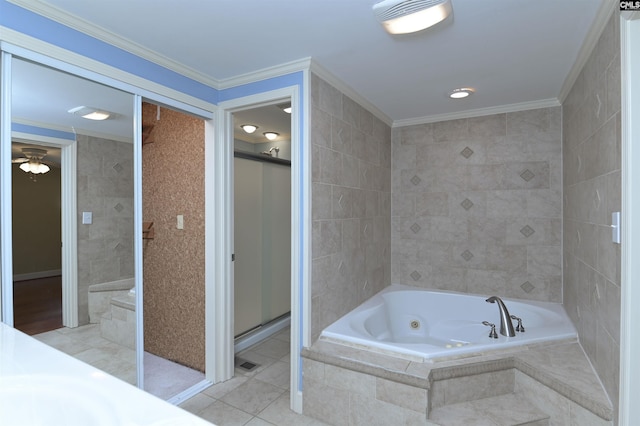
[506, 326]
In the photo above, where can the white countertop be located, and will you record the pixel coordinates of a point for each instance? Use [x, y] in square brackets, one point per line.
[43, 386]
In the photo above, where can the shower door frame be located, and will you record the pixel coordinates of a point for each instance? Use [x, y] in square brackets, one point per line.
[219, 241]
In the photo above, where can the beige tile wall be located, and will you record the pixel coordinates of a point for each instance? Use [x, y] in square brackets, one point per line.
[592, 191]
[351, 161]
[105, 188]
[477, 205]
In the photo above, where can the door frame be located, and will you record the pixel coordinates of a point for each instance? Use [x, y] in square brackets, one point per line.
[628, 409]
[69, 220]
[219, 238]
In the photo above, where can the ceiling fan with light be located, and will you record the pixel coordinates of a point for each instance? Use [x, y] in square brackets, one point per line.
[31, 162]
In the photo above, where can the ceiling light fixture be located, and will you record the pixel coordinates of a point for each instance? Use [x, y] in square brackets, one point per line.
[271, 135]
[409, 16]
[32, 161]
[91, 113]
[285, 107]
[461, 93]
[249, 128]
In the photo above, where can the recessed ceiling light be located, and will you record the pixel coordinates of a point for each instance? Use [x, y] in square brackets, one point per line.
[249, 128]
[285, 107]
[271, 135]
[91, 113]
[461, 93]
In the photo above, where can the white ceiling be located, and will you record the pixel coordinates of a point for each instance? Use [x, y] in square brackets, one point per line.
[511, 51]
[516, 54]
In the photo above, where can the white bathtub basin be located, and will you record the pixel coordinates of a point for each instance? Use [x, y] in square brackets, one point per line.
[421, 324]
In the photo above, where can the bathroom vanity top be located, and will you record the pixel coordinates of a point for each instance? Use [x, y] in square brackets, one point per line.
[42, 386]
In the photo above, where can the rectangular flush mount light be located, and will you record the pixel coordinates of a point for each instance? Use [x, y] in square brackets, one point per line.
[91, 113]
[409, 16]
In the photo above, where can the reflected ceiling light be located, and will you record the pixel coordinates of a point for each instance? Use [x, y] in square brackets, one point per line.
[249, 128]
[409, 16]
[91, 113]
[271, 135]
[32, 161]
[461, 93]
[35, 167]
[285, 107]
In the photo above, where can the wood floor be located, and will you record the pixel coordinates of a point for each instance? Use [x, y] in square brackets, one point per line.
[37, 305]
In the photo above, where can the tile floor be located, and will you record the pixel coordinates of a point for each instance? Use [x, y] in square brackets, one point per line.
[253, 398]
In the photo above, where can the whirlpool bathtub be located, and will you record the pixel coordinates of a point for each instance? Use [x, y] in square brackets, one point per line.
[421, 324]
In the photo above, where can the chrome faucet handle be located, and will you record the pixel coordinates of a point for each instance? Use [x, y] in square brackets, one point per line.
[519, 327]
[492, 333]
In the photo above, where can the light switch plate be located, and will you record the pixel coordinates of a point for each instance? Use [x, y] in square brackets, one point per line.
[180, 222]
[87, 218]
[615, 227]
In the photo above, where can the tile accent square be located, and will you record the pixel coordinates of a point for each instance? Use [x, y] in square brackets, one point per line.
[416, 180]
[466, 204]
[415, 228]
[118, 207]
[118, 167]
[416, 275]
[527, 175]
[467, 152]
[527, 231]
[467, 255]
[527, 287]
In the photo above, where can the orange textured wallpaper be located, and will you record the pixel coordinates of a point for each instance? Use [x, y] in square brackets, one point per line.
[173, 184]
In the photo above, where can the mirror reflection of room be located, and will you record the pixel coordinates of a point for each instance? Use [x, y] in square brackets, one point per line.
[87, 309]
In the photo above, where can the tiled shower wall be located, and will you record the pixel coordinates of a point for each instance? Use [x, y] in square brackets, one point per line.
[105, 188]
[351, 161]
[592, 191]
[477, 205]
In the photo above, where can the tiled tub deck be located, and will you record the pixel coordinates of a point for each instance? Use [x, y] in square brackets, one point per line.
[544, 384]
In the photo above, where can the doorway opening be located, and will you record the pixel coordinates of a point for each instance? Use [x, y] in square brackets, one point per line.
[262, 224]
[37, 260]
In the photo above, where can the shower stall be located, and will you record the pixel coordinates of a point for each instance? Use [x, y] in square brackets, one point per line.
[262, 245]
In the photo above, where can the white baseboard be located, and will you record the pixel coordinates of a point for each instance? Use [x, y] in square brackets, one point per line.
[36, 275]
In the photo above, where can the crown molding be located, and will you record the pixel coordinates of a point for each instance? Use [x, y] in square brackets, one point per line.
[265, 73]
[75, 131]
[501, 109]
[16, 42]
[73, 21]
[330, 78]
[42, 125]
[589, 43]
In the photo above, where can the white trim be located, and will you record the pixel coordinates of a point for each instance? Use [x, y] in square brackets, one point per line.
[593, 35]
[36, 275]
[41, 140]
[138, 243]
[265, 73]
[6, 249]
[218, 270]
[501, 109]
[73, 21]
[60, 141]
[330, 78]
[629, 410]
[69, 231]
[56, 57]
[189, 392]
[223, 194]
